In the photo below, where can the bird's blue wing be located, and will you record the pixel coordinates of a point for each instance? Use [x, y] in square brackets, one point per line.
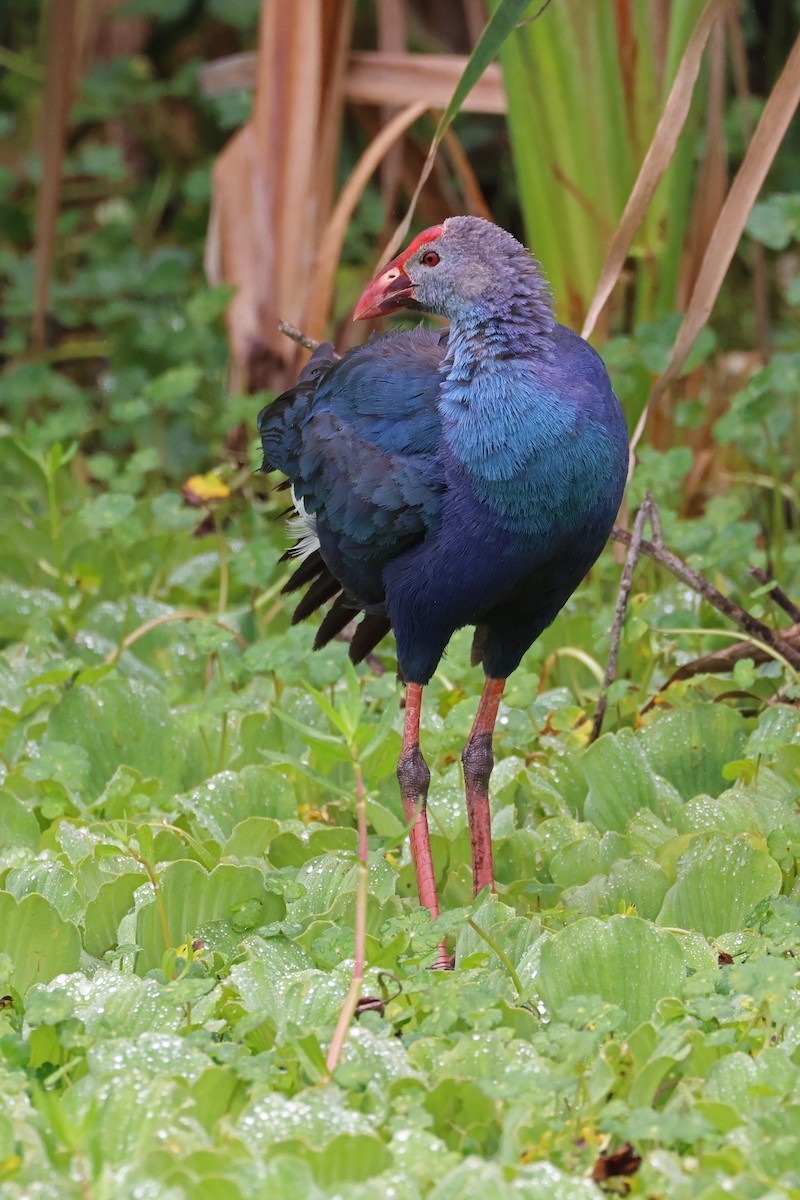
[358, 439]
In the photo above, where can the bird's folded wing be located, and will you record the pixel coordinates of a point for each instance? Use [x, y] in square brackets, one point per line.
[359, 442]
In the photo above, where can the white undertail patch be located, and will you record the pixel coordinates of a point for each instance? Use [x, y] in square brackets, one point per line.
[303, 526]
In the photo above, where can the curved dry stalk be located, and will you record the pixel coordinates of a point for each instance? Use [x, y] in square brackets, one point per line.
[180, 614]
[764, 144]
[720, 662]
[656, 160]
[321, 290]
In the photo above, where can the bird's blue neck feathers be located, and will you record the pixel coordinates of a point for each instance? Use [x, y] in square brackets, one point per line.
[528, 445]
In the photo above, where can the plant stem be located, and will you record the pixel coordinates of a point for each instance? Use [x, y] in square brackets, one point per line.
[352, 997]
[501, 954]
[162, 912]
[55, 537]
[619, 614]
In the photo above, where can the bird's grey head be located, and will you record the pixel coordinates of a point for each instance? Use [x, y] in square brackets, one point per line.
[464, 267]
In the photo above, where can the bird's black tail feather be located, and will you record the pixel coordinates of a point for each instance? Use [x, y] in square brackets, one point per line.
[323, 585]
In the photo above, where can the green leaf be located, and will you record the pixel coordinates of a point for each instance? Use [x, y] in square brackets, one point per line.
[631, 883]
[690, 746]
[18, 826]
[104, 913]
[775, 221]
[625, 961]
[50, 879]
[225, 800]
[174, 386]
[506, 15]
[106, 512]
[720, 880]
[620, 781]
[120, 722]
[195, 899]
[39, 942]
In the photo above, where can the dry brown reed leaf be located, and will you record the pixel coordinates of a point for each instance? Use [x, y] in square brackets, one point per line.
[60, 74]
[376, 76]
[656, 161]
[381, 77]
[474, 199]
[391, 18]
[274, 180]
[711, 182]
[758, 257]
[775, 120]
[321, 292]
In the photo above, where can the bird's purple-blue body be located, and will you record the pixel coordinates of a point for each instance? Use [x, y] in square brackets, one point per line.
[469, 477]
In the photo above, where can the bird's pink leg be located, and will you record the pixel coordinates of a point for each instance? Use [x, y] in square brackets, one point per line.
[414, 777]
[478, 761]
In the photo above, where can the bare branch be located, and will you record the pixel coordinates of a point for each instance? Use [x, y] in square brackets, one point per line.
[776, 593]
[296, 335]
[698, 583]
[720, 662]
[646, 510]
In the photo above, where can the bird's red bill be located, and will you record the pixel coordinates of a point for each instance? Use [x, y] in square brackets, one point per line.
[391, 288]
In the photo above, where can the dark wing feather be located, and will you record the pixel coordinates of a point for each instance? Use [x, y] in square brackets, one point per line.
[372, 629]
[358, 439]
[340, 614]
[367, 465]
[309, 569]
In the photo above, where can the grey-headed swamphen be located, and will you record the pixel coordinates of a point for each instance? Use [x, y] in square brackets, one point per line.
[468, 477]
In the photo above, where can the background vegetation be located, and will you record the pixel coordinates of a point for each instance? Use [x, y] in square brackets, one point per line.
[178, 773]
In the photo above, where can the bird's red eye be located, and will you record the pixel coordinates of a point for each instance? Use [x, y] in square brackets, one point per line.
[430, 258]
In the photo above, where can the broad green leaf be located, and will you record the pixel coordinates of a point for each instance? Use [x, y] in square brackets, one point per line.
[105, 512]
[152, 1053]
[690, 746]
[631, 883]
[194, 899]
[223, 801]
[250, 838]
[349, 1158]
[120, 722]
[580, 861]
[39, 942]
[128, 1114]
[314, 1118]
[18, 826]
[625, 961]
[720, 880]
[115, 1005]
[620, 781]
[50, 879]
[104, 913]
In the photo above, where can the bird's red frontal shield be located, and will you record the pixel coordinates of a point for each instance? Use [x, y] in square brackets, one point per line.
[391, 288]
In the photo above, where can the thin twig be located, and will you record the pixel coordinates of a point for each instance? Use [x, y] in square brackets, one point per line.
[698, 583]
[647, 509]
[296, 335]
[776, 593]
[179, 614]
